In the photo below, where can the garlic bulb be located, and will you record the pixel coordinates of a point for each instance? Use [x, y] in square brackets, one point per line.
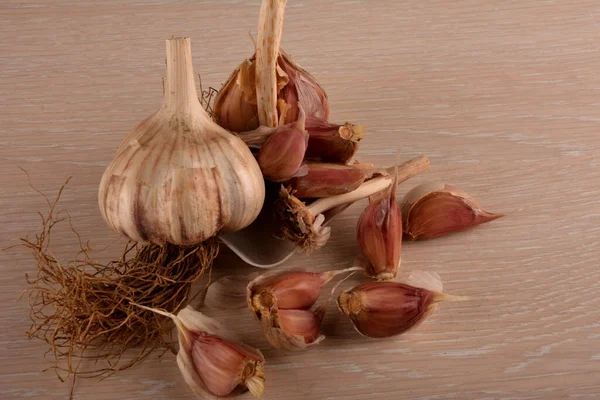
[178, 177]
[269, 84]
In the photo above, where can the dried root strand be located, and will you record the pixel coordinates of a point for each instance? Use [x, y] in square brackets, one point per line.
[83, 309]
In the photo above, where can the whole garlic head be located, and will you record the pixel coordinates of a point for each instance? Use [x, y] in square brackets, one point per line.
[178, 177]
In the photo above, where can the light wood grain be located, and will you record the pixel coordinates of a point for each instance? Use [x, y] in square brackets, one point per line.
[503, 96]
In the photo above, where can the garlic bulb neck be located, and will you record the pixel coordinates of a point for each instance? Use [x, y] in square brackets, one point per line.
[181, 96]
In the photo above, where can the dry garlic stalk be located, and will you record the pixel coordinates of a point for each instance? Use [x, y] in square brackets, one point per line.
[179, 177]
[435, 209]
[303, 224]
[384, 309]
[282, 302]
[213, 365]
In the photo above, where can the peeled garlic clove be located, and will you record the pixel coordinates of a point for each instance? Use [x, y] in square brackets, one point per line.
[329, 142]
[379, 235]
[281, 156]
[212, 364]
[435, 209]
[384, 309]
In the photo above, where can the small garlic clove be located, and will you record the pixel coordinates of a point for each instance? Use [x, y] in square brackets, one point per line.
[329, 142]
[213, 365]
[304, 323]
[385, 309]
[282, 154]
[435, 209]
[379, 235]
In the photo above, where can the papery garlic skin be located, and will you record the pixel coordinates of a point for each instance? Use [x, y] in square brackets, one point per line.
[384, 309]
[178, 177]
[435, 209]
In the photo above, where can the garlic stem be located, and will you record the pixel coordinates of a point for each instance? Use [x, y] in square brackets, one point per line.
[270, 26]
[180, 95]
[405, 171]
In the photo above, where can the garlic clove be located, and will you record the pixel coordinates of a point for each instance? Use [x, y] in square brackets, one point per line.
[303, 323]
[329, 142]
[281, 156]
[212, 364]
[379, 235]
[385, 309]
[435, 209]
[288, 289]
[327, 179]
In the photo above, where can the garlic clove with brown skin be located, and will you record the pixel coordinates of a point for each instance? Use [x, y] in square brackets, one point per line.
[179, 177]
[435, 209]
[281, 156]
[385, 309]
[330, 142]
[213, 365]
[379, 235]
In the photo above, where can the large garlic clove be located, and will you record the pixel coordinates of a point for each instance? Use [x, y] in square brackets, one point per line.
[385, 309]
[178, 177]
[212, 364]
[435, 209]
[235, 106]
[379, 235]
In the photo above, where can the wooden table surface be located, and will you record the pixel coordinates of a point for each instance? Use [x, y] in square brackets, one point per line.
[503, 96]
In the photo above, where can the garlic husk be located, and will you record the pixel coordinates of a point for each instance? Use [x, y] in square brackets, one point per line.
[385, 309]
[435, 209]
[379, 235]
[212, 364]
[178, 177]
[280, 157]
[330, 142]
